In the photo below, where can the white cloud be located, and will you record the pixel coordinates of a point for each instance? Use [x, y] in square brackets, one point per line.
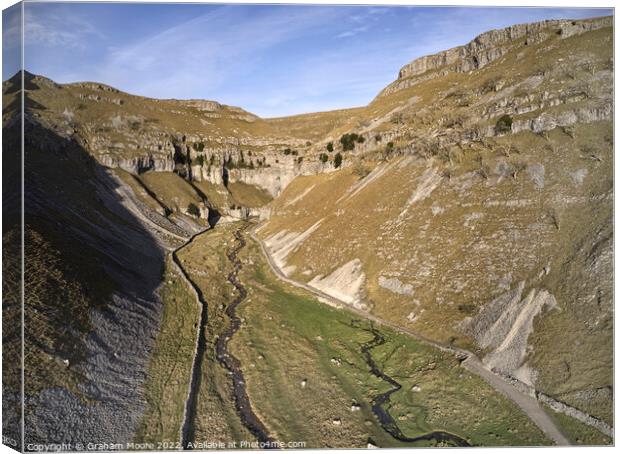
[352, 32]
[44, 28]
[203, 52]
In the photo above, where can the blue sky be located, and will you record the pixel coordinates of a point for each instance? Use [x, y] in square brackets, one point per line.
[270, 60]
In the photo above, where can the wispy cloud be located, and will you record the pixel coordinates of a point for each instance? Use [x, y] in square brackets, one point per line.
[352, 32]
[205, 51]
[42, 28]
[271, 60]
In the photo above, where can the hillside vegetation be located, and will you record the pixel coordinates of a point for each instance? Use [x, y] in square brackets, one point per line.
[467, 210]
[487, 223]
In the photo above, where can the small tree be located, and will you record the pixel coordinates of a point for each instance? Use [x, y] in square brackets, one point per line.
[337, 160]
[193, 210]
[348, 141]
[330, 147]
[323, 157]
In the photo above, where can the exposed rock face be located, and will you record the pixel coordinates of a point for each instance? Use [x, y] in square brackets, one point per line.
[546, 122]
[395, 285]
[273, 180]
[284, 242]
[345, 283]
[123, 335]
[504, 326]
[139, 164]
[490, 46]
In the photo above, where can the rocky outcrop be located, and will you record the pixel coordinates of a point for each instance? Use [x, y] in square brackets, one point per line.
[213, 174]
[345, 284]
[138, 164]
[504, 325]
[271, 179]
[490, 46]
[284, 242]
[394, 285]
[548, 121]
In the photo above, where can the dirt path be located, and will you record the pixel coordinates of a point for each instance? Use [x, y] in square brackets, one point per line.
[527, 403]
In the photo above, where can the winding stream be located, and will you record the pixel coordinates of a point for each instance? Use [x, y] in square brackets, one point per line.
[380, 401]
[232, 364]
[242, 401]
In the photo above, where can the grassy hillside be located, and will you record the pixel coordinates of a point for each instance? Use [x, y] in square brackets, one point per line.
[470, 212]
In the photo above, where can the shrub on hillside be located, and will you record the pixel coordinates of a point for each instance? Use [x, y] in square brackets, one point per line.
[360, 169]
[337, 160]
[323, 158]
[348, 141]
[504, 124]
[193, 209]
[330, 147]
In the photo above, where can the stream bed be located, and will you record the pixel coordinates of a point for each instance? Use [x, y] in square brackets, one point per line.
[381, 402]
